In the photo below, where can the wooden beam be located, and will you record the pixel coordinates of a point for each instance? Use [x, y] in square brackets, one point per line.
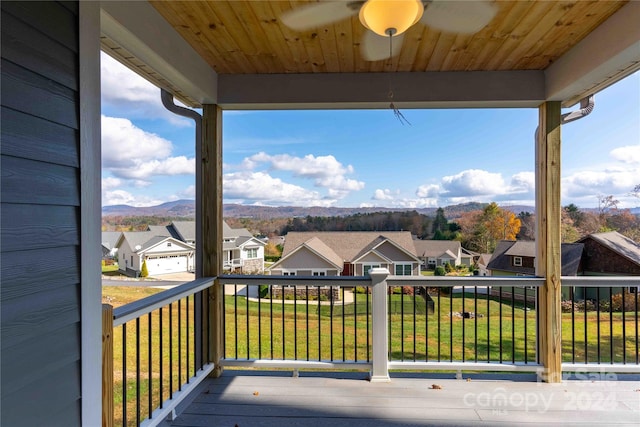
[495, 89]
[548, 263]
[211, 217]
[107, 365]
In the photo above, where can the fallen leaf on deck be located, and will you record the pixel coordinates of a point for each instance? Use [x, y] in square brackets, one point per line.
[436, 386]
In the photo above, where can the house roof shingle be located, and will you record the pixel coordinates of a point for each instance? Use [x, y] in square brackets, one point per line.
[618, 243]
[435, 248]
[571, 255]
[348, 244]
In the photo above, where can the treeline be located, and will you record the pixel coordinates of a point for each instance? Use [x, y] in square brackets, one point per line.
[134, 223]
[412, 221]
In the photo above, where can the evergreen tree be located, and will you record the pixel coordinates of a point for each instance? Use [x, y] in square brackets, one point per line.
[144, 272]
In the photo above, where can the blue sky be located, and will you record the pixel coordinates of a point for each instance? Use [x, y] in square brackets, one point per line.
[364, 158]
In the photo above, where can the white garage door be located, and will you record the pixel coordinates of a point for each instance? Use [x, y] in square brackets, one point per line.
[166, 264]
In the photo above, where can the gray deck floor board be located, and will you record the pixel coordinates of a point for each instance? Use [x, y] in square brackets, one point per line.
[264, 399]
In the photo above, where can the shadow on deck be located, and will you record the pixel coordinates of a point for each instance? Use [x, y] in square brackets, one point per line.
[259, 398]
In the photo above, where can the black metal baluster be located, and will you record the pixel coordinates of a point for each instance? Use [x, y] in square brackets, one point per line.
[295, 323]
[624, 331]
[573, 324]
[439, 314]
[413, 296]
[235, 319]
[124, 374]
[150, 365]
[186, 332]
[611, 326]
[586, 348]
[526, 347]
[464, 343]
[330, 324]
[271, 321]
[598, 321]
[355, 323]
[513, 324]
[246, 299]
[489, 290]
[307, 321]
[369, 335]
[283, 327]
[161, 355]
[475, 323]
[260, 321]
[451, 323]
[179, 345]
[402, 324]
[170, 351]
[500, 321]
[319, 325]
[137, 371]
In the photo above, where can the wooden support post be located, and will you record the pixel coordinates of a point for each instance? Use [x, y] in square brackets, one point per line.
[211, 216]
[548, 252]
[107, 365]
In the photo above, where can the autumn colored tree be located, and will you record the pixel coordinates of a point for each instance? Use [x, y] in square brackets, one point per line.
[490, 225]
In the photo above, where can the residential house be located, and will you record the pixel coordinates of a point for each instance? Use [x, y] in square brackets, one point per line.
[434, 253]
[162, 253]
[51, 146]
[241, 251]
[610, 253]
[517, 258]
[109, 240]
[607, 254]
[333, 253]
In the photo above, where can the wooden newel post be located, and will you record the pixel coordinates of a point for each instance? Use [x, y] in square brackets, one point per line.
[107, 365]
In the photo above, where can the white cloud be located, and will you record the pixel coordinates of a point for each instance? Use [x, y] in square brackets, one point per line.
[472, 182]
[135, 97]
[261, 188]
[110, 183]
[428, 191]
[628, 154]
[522, 182]
[325, 171]
[591, 183]
[129, 152]
[383, 194]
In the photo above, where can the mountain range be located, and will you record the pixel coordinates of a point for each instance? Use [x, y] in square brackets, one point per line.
[186, 209]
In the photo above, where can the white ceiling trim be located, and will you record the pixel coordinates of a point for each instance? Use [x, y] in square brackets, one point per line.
[607, 55]
[142, 31]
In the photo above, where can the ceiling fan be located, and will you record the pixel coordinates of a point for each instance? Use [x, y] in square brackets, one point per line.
[387, 20]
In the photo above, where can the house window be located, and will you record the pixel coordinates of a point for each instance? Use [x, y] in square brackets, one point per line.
[517, 261]
[252, 253]
[367, 267]
[168, 244]
[319, 273]
[403, 270]
[132, 260]
[288, 273]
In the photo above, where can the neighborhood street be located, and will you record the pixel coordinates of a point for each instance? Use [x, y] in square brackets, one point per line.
[159, 281]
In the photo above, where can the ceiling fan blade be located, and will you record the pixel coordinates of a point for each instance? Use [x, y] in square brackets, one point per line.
[318, 14]
[374, 47]
[459, 16]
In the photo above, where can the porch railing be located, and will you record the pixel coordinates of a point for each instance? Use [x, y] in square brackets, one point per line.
[156, 353]
[379, 323]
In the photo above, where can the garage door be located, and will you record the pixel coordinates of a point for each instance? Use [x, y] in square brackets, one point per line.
[166, 264]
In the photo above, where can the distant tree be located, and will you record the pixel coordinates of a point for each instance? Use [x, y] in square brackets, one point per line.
[575, 214]
[144, 272]
[636, 191]
[439, 222]
[527, 226]
[271, 249]
[606, 206]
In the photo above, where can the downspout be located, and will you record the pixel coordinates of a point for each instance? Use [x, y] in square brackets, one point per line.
[586, 107]
[167, 101]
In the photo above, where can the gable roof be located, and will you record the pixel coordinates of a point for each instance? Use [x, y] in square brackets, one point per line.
[435, 248]
[228, 232]
[348, 245]
[183, 230]
[318, 247]
[110, 238]
[571, 255]
[618, 243]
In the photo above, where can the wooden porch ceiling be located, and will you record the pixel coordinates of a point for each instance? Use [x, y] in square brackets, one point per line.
[238, 54]
[248, 37]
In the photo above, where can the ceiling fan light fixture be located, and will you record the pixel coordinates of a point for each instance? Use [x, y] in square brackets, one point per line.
[390, 17]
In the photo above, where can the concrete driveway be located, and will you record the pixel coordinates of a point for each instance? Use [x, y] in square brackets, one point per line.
[175, 277]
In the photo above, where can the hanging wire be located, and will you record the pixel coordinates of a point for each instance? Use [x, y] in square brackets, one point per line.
[396, 112]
